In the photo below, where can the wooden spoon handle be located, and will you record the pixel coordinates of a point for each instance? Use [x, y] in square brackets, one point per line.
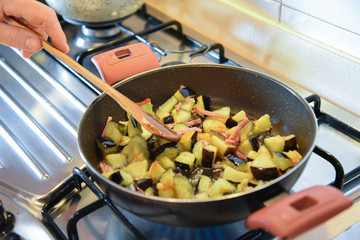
[145, 119]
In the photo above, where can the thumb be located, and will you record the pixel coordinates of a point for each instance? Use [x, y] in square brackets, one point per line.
[19, 38]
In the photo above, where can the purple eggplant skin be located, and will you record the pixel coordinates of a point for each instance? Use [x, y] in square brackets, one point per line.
[290, 144]
[207, 158]
[187, 92]
[254, 143]
[235, 160]
[135, 123]
[169, 119]
[116, 177]
[162, 148]
[144, 183]
[230, 122]
[281, 155]
[219, 135]
[207, 102]
[265, 174]
[193, 139]
[106, 143]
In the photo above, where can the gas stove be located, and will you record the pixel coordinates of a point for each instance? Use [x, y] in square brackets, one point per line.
[45, 190]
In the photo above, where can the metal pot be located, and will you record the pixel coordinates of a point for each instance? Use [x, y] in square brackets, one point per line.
[96, 11]
[236, 87]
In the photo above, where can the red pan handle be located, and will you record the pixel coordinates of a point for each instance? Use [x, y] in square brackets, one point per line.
[123, 62]
[299, 212]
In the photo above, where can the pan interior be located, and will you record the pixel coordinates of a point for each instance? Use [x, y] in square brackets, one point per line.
[235, 87]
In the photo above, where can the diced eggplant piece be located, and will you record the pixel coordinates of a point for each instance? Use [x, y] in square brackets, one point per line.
[144, 183]
[204, 184]
[123, 178]
[162, 148]
[235, 160]
[263, 168]
[155, 171]
[106, 146]
[167, 178]
[275, 143]
[188, 105]
[282, 161]
[197, 151]
[230, 122]
[203, 102]
[146, 134]
[161, 113]
[290, 143]
[169, 104]
[224, 111]
[185, 160]
[251, 156]
[137, 170]
[187, 141]
[136, 146]
[187, 92]
[116, 177]
[251, 144]
[238, 117]
[263, 124]
[133, 127]
[165, 161]
[204, 136]
[148, 107]
[216, 133]
[150, 191]
[223, 147]
[213, 124]
[183, 188]
[168, 119]
[265, 174]
[180, 126]
[247, 131]
[165, 191]
[201, 196]
[113, 132]
[235, 176]
[116, 160]
[181, 116]
[293, 154]
[254, 143]
[220, 187]
[208, 156]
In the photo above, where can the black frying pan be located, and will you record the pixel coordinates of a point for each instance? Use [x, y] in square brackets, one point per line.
[239, 88]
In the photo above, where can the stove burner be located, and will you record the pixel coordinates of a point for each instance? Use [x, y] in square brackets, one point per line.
[104, 32]
[7, 221]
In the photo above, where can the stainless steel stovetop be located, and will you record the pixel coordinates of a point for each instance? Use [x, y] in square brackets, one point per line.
[41, 103]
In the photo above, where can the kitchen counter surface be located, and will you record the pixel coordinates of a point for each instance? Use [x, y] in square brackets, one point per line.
[254, 39]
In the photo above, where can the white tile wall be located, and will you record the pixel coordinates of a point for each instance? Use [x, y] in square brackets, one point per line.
[344, 14]
[332, 22]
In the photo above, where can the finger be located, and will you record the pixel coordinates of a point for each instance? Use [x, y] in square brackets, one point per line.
[19, 38]
[41, 18]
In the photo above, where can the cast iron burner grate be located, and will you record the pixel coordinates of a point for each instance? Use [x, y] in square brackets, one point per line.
[81, 178]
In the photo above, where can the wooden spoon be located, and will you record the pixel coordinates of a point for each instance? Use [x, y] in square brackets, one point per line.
[145, 119]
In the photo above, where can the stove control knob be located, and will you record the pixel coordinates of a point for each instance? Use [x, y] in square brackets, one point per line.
[7, 221]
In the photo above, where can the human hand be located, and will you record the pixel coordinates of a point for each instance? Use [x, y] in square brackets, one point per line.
[36, 16]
